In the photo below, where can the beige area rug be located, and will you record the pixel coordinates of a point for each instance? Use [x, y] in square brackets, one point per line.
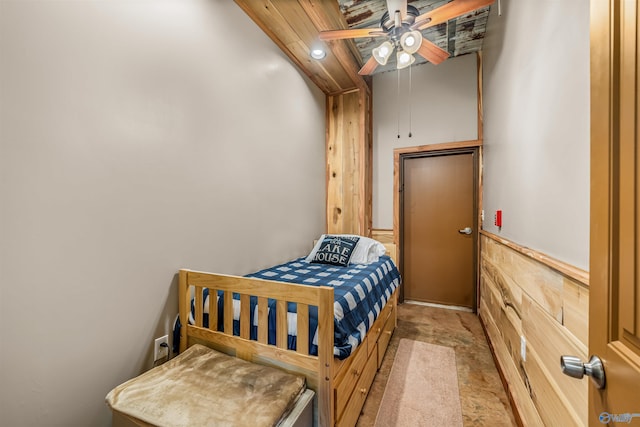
[422, 389]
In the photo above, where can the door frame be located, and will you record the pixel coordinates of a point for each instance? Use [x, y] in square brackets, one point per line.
[449, 148]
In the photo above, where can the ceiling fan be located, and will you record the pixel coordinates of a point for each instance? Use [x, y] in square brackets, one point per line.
[401, 26]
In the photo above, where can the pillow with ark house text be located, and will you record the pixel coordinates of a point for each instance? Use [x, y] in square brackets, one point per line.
[335, 250]
[367, 250]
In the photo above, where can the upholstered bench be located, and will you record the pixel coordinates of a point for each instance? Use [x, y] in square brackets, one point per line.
[203, 387]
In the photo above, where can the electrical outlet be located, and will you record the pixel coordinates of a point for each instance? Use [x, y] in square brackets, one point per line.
[523, 348]
[160, 352]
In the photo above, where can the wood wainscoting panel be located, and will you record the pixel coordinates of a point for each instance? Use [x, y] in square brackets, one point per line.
[542, 283]
[517, 389]
[505, 318]
[523, 295]
[548, 339]
[509, 291]
[551, 401]
[575, 309]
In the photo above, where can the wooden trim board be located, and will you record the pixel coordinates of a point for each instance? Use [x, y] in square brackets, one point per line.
[568, 270]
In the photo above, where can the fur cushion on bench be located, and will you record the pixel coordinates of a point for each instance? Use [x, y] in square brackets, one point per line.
[205, 387]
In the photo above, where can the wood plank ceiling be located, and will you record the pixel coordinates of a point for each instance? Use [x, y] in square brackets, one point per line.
[294, 26]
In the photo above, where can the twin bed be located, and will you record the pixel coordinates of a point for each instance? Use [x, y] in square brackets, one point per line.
[328, 323]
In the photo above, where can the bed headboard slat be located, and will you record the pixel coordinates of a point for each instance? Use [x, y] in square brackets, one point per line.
[392, 251]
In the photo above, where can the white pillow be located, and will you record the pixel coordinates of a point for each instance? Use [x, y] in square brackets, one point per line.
[366, 251]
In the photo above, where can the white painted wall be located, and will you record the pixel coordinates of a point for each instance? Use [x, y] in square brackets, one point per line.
[536, 126]
[136, 138]
[443, 107]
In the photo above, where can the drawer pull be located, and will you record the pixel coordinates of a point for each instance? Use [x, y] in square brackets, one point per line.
[363, 390]
[387, 332]
[356, 372]
[378, 330]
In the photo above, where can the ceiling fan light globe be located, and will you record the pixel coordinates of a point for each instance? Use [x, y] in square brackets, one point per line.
[404, 59]
[382, 53]
[411, 41]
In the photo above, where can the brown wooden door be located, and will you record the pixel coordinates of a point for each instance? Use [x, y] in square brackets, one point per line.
[438, 201]
[614, 309]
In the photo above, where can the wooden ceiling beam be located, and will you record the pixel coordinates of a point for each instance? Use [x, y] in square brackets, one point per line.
[326, 15]
[294, 26]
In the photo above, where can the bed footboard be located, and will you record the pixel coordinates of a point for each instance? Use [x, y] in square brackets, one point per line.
[317, 369]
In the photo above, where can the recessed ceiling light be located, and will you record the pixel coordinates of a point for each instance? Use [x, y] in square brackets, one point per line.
[318, 53]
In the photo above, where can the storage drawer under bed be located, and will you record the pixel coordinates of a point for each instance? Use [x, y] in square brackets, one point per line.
[356, 401]
[356, 374]
[385, 337]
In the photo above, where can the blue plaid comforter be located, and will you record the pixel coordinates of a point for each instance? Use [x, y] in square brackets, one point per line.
[360, 293]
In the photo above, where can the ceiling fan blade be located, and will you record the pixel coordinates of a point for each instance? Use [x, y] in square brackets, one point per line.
[351, 34]
[393, 5]
[449, 11]
[368, 67]
[431, 52]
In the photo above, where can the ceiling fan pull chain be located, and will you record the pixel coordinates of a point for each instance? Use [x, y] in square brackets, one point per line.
[398, 102]
[410, 101]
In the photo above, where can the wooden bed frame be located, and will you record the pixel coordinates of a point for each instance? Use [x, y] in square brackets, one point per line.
[341, 386]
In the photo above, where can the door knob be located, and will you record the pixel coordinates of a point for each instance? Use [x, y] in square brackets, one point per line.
[466, 230]
[573, 367]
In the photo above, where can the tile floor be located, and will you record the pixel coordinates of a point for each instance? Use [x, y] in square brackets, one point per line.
[482, 397]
